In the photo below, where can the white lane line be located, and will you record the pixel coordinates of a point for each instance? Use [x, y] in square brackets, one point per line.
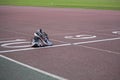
[61, 45]
[6, 51]
[67, 44]
[102, 40]
[33, 68]
[103, 50]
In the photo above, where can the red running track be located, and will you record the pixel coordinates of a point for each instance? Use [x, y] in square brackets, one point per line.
[82, 59]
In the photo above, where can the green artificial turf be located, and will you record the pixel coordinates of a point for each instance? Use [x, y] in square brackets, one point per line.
[94, 4]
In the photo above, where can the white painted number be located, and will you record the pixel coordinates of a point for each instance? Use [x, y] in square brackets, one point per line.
[116, 32]
[13, 43]
[84, 36]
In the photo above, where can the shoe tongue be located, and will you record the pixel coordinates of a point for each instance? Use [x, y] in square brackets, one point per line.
[41, 30]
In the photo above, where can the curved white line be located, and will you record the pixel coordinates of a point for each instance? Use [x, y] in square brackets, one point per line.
[9, 45]
[12, 40]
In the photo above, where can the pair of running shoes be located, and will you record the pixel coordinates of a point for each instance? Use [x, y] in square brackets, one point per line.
[41, 39]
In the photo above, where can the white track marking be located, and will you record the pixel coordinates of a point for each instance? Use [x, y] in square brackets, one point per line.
[61, 45]
[82, 36]
[102, 40]
[12, 40]
[116, 32]
[33, 68]
[6, 51]
[7, 45]
[100, 49]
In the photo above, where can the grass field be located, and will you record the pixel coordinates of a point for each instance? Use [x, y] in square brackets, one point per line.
[94, 4]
